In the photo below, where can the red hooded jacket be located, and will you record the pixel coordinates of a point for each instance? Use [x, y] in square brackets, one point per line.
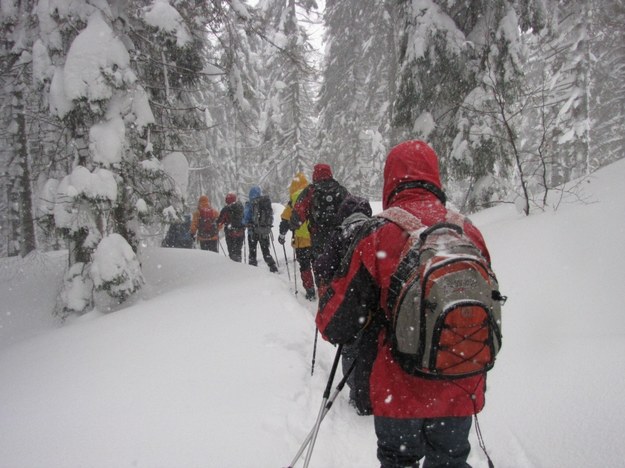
[412, 182]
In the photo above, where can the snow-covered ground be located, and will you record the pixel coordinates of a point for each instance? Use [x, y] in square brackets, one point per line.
[211, 367]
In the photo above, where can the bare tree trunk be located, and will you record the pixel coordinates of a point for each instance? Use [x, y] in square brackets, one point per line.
[28, 240]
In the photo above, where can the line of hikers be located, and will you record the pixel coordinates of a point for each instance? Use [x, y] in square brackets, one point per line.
[360, 264]
[311, 214]
[204, 224]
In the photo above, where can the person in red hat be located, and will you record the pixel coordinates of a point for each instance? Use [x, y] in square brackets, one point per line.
[231, 218]
[318, 204]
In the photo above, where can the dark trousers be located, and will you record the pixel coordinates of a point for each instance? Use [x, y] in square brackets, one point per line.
[363, 351]
[212, 245]
[444, 442]
[235, 245]
[319, 239]
[253, 240]
[304, 259]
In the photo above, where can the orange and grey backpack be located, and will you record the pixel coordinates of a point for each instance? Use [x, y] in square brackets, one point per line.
[444, 301]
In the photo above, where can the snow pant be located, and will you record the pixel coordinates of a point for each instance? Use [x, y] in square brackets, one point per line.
[253, 240]
[363, 351]
[319, 240]
[212, 245]
[444, 442]
[304, 259]
[235, 245]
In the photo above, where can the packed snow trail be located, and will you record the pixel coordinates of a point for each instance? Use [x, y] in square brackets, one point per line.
[210, 367]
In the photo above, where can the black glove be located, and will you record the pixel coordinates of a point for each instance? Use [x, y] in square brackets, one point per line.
[281, 239]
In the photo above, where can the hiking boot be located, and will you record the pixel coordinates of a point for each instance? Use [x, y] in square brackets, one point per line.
[273, 269]
[310, 294]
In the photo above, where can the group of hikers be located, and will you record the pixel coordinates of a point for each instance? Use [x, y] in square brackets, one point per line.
[204, 225]
[352, 261]
[312, 214]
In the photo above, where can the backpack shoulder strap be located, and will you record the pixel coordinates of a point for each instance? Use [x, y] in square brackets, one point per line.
[407, 221]
[453, 217]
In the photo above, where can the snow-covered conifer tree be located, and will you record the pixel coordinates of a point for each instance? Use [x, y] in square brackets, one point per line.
[359, 73]
[286, 124]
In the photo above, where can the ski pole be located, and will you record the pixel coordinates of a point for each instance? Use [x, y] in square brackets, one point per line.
[222, 247]
[312, 365]
[245, 246]
[295, 269]
[326, 397]
[274, 248]
[329, 404]
[286, 262]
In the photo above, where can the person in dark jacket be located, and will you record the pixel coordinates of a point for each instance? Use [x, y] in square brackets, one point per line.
[318, 204]
[179, 234]
[414, 417]
[255, 236]
[231, 218]
[353, 213]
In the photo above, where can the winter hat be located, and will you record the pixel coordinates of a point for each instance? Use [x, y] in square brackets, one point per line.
[230, 198]
[255, 192]
[411, 164]
[322, 172]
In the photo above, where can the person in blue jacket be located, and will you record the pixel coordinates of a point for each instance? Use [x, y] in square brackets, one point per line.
[257, 234]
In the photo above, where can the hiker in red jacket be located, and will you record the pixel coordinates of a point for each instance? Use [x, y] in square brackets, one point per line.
[414, 417]
[204, 225]
[231, 217]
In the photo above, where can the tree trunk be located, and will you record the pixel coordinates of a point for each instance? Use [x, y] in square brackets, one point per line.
[28, 240]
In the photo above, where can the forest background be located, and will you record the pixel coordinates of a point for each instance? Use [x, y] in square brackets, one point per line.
[117, 114]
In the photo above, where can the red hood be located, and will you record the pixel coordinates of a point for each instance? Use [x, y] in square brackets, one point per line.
[230, 198]
[322, 172]
[411, 161]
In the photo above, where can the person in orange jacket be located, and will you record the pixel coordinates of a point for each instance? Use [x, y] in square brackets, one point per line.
[204, 225]
[301, 236]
